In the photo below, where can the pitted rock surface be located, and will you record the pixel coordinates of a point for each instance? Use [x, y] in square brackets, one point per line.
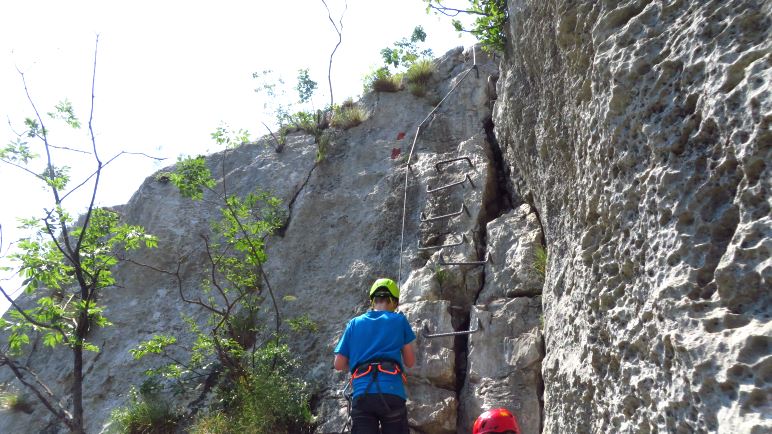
[642, 132]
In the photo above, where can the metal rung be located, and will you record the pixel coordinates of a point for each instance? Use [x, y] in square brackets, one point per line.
[426, 334]
[485, 260]
[444, 162]
[424, 218]
[466, 178]
[463, 240]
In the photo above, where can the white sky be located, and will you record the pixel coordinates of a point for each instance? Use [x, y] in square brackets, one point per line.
[169, 72]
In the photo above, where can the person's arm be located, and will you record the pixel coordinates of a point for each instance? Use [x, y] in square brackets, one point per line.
[408, 355]
[341, 363]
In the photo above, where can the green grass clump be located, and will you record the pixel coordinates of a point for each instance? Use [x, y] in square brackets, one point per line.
[420, 72]
[381, 80]
[145, 414]
[417, 89]
[347, 116]
[15, 402]
[269, 399]
[540, 262]
[322, 146]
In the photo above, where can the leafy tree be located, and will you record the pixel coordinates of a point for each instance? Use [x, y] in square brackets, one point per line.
[66, 264]
[286, 114]
[254, 383]
[405, 51]
[488, 25]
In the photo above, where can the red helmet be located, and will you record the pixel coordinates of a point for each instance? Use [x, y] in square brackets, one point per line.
[498, 420]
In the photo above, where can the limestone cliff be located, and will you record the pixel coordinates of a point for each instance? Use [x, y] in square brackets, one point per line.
[631, 139]
[343, 230]
[640, 130]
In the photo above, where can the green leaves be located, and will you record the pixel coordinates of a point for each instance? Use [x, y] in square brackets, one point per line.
[73, 278]
[65, 112]
[33, 128]
[405, 52]
[305, 87]
[224, 137]
[156, 345]
[488, 25]
[56, 177]
[17, 152]
[192, 177]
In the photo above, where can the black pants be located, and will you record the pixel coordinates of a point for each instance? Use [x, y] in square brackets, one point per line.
[369, 410]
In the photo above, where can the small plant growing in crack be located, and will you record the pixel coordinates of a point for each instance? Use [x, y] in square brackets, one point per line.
[440, 274]
[540, 260]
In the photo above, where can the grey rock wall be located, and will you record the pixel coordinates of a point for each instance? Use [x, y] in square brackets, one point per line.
[344, 219]
[640, 131]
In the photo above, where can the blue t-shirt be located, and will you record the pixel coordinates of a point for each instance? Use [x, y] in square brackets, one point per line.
[376, 335]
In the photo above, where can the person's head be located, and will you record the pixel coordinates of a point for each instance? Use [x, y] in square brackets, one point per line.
[384, 295]
[498, 420]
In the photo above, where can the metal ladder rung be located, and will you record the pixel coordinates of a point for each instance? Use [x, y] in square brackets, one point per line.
[465, 178]
[444, 162]
[424, 218]
[426, 334]
[484, 261]
[463, 240]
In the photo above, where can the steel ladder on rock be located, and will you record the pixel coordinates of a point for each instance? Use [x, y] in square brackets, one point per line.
[424, 218]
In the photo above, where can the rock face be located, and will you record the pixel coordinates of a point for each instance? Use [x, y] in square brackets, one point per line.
[344, 230]
[640, 131]
[632, 139]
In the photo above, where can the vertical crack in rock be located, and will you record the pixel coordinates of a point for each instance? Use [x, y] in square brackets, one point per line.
[283, 229]
[504, 198]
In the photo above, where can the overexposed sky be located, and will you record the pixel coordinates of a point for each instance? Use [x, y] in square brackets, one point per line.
[169, 72]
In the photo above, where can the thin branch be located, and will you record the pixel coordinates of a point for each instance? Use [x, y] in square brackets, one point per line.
[40, 390]
[452, 12]
[338, 29]
[96, 157]
[55, 239]
[177, 276]
[65, 148]
[31, 320]
[49, 163]
[11, 163]
[279, 145]
[214, 268]
[105, 165]
[260, 269]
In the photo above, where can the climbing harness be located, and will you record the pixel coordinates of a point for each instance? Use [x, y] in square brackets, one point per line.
[372, 368]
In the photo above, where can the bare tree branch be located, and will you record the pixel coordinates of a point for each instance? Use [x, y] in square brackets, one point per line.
[451, 12]
[40, 390]
[338, 29]
[178, 277]
[279, 144]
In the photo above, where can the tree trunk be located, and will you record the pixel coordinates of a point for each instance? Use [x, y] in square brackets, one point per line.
[77, 388]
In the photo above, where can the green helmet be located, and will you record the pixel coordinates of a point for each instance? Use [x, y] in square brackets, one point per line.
[387, 284]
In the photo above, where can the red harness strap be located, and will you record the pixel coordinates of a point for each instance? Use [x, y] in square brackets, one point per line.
[365, 368]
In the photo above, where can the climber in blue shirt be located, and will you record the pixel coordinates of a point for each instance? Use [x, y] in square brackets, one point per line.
[375, 348]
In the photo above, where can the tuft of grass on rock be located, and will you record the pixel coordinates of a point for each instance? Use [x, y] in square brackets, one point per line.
[540, 261]
[15, 402]
[348, 117]
[420, 72]
[381, 80]
[145, 414]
